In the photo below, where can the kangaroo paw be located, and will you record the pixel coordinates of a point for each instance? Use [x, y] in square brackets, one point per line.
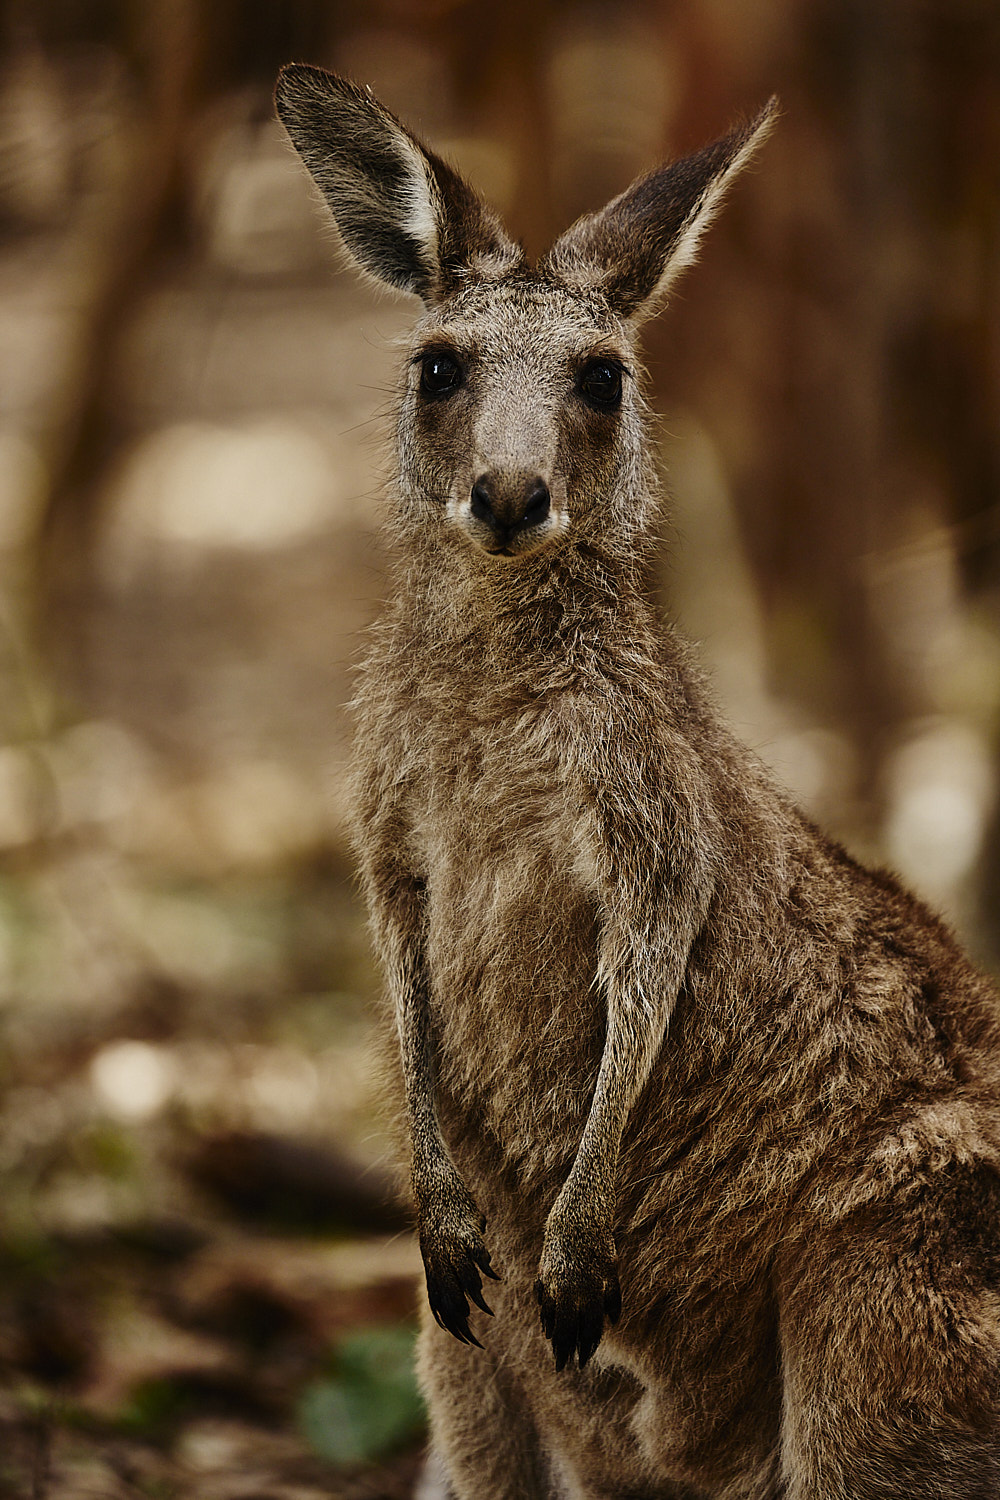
[455, 1261]
[577, 1289]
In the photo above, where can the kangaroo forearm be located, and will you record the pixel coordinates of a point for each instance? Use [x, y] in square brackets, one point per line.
[431, 1163]
[397, 900]
[640, 970]
[416, 1053]
[449, 1224]
[624, 1068]
[641, 966]
[630, 1049]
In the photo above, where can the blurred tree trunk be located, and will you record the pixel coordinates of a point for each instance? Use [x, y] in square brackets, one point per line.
[181, 55]
[146, 223]
[498, 57]
[841, 374]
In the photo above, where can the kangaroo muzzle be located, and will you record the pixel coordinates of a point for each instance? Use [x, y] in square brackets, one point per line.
[508, 513]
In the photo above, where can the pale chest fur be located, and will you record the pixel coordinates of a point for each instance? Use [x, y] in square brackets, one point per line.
[499, 835]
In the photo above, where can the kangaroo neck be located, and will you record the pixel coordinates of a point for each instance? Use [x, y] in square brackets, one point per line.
[549, 602]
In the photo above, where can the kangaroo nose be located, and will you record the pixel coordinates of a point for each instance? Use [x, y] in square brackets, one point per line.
[537, 507]
[506, 508]
[482, 507]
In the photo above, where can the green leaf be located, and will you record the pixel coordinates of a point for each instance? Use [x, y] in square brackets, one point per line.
[369, 1406]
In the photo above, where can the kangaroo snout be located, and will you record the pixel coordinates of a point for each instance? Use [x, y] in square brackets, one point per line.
[508, 506]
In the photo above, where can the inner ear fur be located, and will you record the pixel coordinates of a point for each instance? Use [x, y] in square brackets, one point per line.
[635, 248]
[404, 215]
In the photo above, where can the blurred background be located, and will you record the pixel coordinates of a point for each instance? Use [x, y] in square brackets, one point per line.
[206, 1286]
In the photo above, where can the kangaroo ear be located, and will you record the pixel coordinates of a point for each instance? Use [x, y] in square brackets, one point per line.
[404, 215]
[635, 247]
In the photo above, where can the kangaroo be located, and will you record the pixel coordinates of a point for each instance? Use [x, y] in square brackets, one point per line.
[720, 1103]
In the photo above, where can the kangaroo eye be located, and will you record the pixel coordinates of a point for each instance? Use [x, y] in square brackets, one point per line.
[440, 373]
[601, 384]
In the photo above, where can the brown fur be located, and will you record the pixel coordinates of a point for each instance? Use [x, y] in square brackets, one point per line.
[662, 1040]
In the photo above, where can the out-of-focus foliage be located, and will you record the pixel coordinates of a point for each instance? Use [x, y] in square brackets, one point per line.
[369, 1404]
[193, 431]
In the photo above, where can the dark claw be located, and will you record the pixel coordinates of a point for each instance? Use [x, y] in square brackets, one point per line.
[464, 1335]
[573, 1320]
[453, 1281]
[485, 1263]
[591, 1326]
[473, 1288]
[455, 1322]
[563, 1345]
[545, 1308]
[477, 1297]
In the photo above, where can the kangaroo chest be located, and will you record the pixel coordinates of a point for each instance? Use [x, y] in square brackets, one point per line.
[512, 926]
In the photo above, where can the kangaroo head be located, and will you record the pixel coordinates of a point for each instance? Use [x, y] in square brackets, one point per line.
[521, 424]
